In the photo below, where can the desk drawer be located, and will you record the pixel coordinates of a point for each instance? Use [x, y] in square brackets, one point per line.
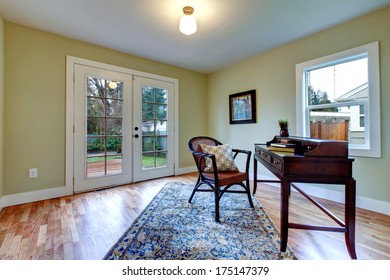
[277, 163]
[272, 159]
[266, 156]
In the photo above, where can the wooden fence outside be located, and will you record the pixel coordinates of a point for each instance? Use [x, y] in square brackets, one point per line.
[332, 130]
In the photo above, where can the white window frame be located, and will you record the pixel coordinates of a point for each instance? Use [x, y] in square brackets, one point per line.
[372, 146]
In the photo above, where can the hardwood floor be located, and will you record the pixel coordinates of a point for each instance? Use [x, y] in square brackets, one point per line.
[85, 226]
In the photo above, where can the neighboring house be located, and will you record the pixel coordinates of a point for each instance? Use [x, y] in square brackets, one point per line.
[356, 122]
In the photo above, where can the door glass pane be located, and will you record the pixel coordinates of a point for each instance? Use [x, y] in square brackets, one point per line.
[95, 145]
[148, 144]
[113, 145]
[161, 128]
[148, 160]
[114, 127]
[154, 127]
[104, 127]
[161, 143]
[94, 86]
[114, 108]
[148, 110]
[161, 95]
[147, 94]
[161, 159]
[161, 111]
[115, 90]
[95, 107]
[114, 165]
[148, 128]
[95, 167]
[95, 126]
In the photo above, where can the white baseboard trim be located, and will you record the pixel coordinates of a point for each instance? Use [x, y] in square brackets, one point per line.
[27, 197]
[20, 198]
[361, 202]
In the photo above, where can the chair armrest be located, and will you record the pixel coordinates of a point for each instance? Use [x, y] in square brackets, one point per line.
[237, 151]
[248, 157]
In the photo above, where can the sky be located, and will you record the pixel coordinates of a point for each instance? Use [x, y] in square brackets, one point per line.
[340, 79]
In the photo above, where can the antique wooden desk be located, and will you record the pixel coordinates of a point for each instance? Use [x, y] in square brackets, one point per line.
[313, 161]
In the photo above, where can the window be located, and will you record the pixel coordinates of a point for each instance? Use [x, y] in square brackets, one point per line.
[338, 98]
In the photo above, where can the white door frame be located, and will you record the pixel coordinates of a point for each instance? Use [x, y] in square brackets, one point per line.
[70, 72]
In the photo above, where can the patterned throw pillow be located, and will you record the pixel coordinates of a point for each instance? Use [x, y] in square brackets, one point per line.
[223, 156]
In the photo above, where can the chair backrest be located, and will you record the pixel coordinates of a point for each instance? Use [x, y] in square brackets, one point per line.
[194, 143]
[194, 146]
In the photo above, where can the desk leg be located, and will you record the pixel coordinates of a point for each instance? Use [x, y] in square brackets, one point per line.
[254, 175]
[350, 216]
[284, 201]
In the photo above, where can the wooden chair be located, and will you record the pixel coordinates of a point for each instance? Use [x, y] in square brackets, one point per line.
[219, 182]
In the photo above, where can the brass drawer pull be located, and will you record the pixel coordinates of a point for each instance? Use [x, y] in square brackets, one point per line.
[266, 156]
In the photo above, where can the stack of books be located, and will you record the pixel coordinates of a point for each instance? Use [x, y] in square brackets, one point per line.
[282, 147]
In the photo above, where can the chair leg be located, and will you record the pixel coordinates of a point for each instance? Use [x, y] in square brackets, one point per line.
[216, 199]
[193, 193]
[248, 192]
[195, 188]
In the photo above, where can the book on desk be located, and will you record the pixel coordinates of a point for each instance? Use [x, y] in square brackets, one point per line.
[282, 147]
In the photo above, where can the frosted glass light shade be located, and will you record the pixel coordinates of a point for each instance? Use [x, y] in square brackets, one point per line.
[187, 24]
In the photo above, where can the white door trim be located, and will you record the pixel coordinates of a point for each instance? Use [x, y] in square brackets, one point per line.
[70, 72]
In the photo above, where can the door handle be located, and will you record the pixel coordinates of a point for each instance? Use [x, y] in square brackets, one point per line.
[136, 136]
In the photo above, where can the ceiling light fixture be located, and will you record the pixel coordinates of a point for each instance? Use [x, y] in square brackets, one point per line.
[187, 24]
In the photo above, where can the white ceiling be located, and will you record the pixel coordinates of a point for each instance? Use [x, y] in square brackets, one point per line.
[228, 30]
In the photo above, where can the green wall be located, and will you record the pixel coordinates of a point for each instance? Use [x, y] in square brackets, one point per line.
[272, 74]
[34, 131]
[1, 104]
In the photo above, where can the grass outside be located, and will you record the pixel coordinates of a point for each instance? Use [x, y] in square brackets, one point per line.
[100, 159]
[147, 161]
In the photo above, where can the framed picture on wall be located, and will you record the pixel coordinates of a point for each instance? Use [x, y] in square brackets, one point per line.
[242, 107]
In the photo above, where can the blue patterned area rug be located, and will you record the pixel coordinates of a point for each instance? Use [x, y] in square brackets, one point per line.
[170, 228]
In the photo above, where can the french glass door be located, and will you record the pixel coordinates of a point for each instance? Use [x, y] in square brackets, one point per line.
[123, 128]
[102, 128]
[153, 128]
